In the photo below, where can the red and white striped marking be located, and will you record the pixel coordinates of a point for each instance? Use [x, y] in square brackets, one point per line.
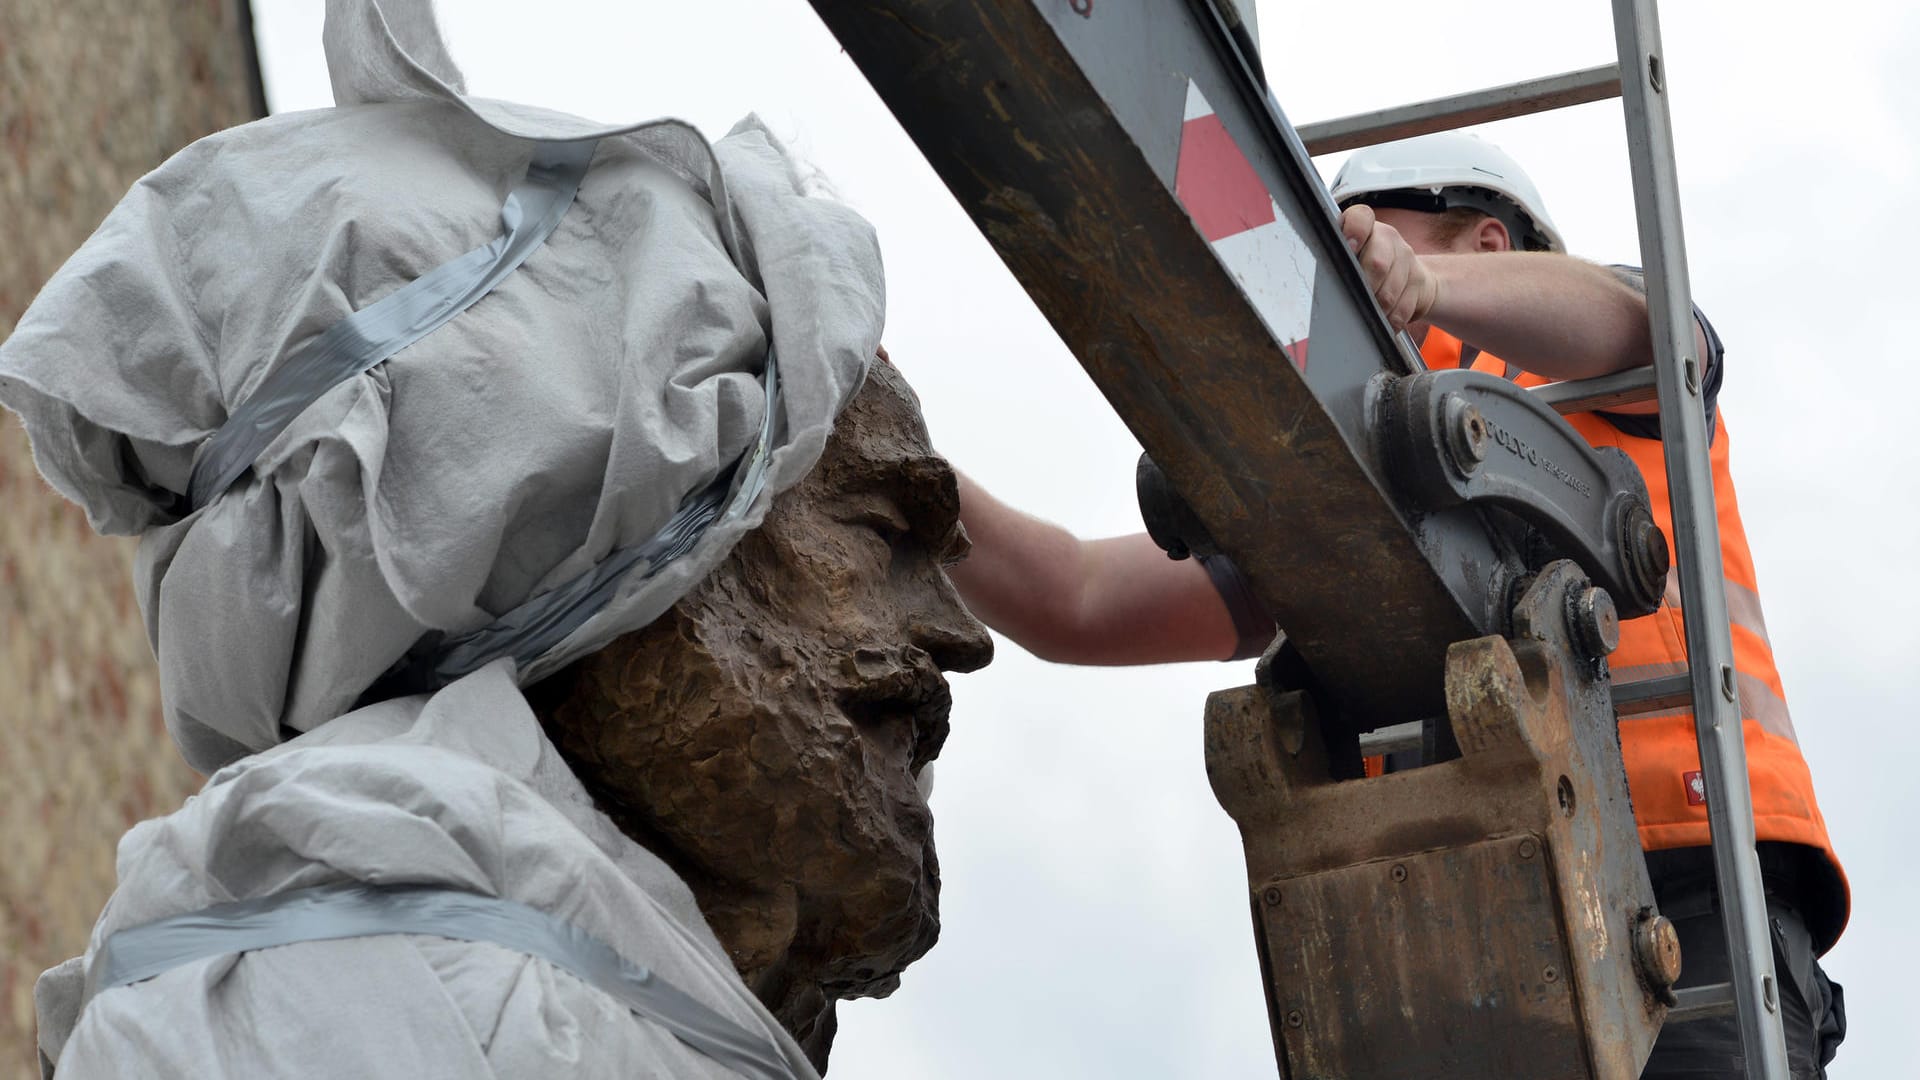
[1237, 215]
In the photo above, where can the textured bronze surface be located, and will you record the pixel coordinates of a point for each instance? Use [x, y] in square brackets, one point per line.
[92, 95]
[765, 735]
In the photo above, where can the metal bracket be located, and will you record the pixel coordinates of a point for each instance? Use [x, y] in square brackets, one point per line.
[1470, 438]
[1172, 524]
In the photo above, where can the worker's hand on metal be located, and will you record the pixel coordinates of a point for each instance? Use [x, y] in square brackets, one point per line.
[1404, 287]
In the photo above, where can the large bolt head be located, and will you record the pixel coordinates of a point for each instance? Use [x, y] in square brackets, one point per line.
[1466, 433]
[1647, 551]
[1656, 945]
[1595, 622]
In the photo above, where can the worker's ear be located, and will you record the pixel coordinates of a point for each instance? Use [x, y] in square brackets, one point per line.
[1490, 235]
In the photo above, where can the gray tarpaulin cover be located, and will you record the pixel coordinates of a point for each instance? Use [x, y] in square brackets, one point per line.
[461, 789]
[563, 417]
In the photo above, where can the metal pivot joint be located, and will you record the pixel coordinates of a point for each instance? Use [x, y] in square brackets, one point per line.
[1469, 438]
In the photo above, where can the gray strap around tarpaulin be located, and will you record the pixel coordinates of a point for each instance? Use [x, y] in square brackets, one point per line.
[543, 621]
[368, 336]
[333, 912]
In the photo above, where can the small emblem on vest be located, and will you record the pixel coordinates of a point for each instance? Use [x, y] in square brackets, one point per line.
[1696, 788]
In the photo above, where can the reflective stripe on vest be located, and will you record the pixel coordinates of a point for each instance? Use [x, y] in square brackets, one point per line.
[1758, 701]
[1743, 605]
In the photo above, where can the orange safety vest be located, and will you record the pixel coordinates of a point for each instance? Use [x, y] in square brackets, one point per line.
[1662, 756]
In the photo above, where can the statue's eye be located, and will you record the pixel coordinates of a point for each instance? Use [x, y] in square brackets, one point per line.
[884, 519]
[888, 528]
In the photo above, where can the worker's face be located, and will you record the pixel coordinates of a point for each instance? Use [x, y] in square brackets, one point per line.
[766, 735]
[1416, 227]
[1423, 232]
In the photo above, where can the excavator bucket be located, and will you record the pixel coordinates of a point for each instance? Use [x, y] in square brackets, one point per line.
[1489, 916]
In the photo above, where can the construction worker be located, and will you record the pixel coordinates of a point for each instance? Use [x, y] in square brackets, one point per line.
[1458, 247]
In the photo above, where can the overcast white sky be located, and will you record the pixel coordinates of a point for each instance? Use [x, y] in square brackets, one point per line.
[1095, 920]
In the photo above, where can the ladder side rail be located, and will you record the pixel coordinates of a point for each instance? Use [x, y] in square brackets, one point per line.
[1717, 723]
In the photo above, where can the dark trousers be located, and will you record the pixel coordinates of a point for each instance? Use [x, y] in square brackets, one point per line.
[1812, 1008]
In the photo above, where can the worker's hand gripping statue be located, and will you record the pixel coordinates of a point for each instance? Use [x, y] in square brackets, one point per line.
[413, 403]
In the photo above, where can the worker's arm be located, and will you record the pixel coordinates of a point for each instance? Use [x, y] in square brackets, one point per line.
[1551, 314]
[1074, 601]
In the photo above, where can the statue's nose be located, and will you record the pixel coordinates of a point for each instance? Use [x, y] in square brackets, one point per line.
[950, 634]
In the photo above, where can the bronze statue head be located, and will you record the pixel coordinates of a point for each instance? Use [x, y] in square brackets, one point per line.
[766, 736]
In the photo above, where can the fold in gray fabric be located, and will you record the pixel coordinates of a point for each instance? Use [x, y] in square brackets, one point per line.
[529, 630]
[563, 417]
[397, 320]
[335, 912]
[459, 791]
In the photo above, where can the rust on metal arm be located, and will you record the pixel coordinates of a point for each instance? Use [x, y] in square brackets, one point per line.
[1084, 210]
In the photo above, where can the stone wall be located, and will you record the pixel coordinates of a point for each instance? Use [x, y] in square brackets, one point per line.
[93, 93]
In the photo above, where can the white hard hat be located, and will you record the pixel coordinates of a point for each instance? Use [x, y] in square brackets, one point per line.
[1445, 170]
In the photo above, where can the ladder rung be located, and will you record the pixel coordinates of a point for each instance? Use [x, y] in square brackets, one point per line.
[1462, 110]
[1663, 694]
[1700, 1002]
[1394, 739]
[1602, 392]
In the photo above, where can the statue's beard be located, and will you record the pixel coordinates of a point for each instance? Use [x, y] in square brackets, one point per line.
[780, 783]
